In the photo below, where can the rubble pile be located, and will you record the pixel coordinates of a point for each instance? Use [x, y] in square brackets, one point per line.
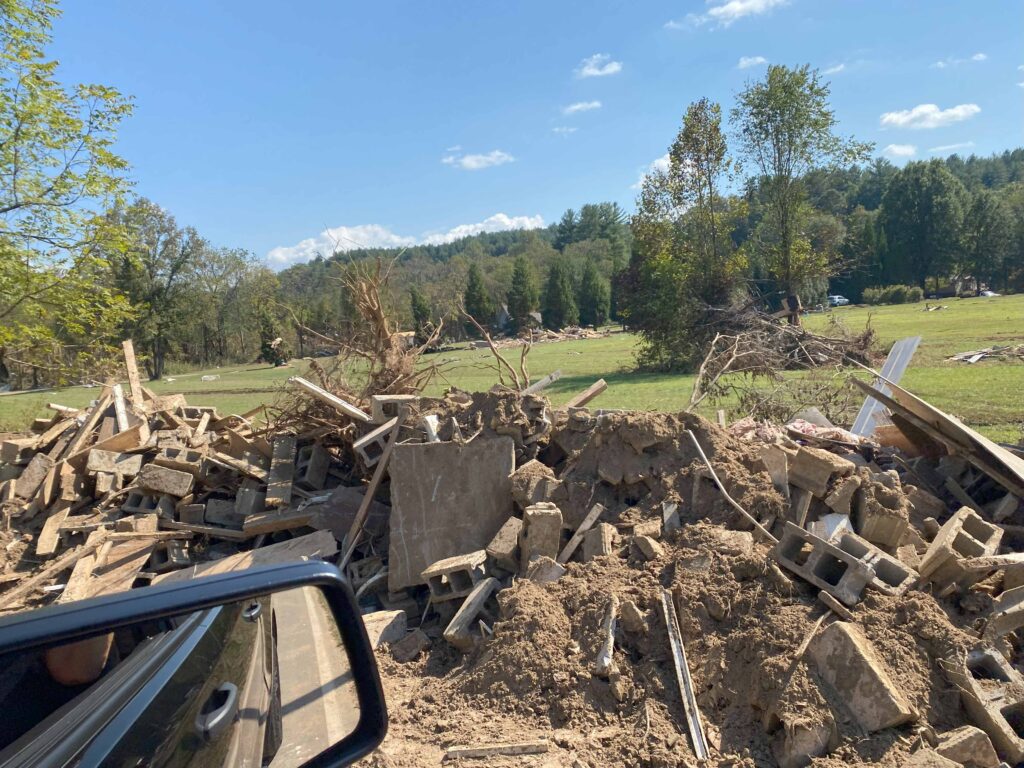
[602, 587]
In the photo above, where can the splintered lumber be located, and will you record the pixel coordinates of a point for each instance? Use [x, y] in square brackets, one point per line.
[134, 385]
[352, 538]
[268, 522]
[605, 662]
[55, 431]
[62, 563]
[547, 381]
[33, 475]
[749, 517]
[675, 638]
[577, 538]
[282, 471]
[535, 747]
[231, 534]
[239, 465]
[49, 536]
[319, 545]
[120, 411]
[131, 439]
[326, 397]
[587, 395]
[95, 413]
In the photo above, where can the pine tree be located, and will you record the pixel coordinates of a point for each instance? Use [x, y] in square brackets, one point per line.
[565, 231]
[595, 297]
[522, 295]
[476, 301]
[559, 308]
[420, 315]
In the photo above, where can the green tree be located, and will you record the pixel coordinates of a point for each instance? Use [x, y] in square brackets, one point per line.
[559, 309]
[565, 230]
[522, 294]
[922, 216]
[988, 237]
[421, 322]
[594, 298]
[58, 173]
[786, 129]
[476, 300]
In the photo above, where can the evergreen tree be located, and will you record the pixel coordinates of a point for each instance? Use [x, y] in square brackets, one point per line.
[565, 230]
[559, 310]
[476, 301]
[420, 315]
[522, 295]
[595, 297]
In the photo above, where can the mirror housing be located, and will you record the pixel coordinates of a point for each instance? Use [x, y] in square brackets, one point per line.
[69, 622]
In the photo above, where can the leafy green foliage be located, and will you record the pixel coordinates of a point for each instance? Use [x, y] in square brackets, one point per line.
[559, 308]
[475, 298]
[421, 322]
[522, 295]
[594, 297]
[893, 294]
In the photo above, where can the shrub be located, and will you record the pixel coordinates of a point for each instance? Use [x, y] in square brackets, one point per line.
[892, 294]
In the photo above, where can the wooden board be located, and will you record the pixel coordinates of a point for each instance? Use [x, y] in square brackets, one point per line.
[133, 371]
[584, 397]
[319, 545]
[577, 538]
[282, 471]
[333, 400]
[49, 537]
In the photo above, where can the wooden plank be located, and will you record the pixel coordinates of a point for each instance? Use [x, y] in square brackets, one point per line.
[268, 522]
[95, 414]
[62, 563]
[316, 545]
[577, 538]
[693, 720]
[120, 411]
[230, 534]
[282, 471]
[544, 383]
[134, 384]
[333, 400]
[49, 536]
[459, 631]
[244, 467]
[123, 562]
[50, 435]
[535, 747]
[587, 395]
[958, 493]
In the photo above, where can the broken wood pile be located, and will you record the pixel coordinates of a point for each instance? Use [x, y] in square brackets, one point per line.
[990, 353]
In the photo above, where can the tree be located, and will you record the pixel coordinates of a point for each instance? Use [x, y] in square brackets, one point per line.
[565, 230]
[421, 322]
[522, 295]
[988, 237]
[58, 173]
[475, 299]
[786, 130]
[594, 297]
[559, 310]
[922, 216]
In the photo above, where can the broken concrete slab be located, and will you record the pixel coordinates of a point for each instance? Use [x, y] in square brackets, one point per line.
[533, 483]
[163, 480]
[648, 548]
[541, 535]
[969, 746]
[410, 647]
[929, 758]
[846, 660]
[503, 550]
[599, 541]
[544, 570]
[384, 627]
[112, 462]
[439, 509]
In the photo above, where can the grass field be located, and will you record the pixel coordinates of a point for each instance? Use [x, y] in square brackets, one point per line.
[988, 395]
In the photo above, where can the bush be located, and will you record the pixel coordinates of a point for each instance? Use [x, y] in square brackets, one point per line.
[893, 294]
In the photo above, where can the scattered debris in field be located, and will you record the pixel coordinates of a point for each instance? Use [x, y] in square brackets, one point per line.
[597, 588]
[989, 353]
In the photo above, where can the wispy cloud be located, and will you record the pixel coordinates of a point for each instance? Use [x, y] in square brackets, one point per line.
[456, 148]
[746, 62]
[951, 147]
[835, 70]
[376, 236]
[723, 14]
[953, 61]
[581, 106]
[900, 150]
[598, 65]
[563, 130]
[478, 162]
[929, 116]
[661, 164]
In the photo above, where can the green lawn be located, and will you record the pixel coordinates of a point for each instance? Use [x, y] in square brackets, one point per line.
[988, 395]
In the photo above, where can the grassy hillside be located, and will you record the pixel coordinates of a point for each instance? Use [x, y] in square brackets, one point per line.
[987, 395]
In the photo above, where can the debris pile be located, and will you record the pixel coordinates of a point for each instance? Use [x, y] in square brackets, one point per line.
[605, 587]
[1007, 352]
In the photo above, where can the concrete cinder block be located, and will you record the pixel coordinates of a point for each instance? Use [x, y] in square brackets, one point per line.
[991, 694]
[846, 660]
[880, 513]
[385, 627]
[454, 577]
[181, 459]
[892, 576]
[969, 746]
[823, 564]
[410, 647]
[370, 446]
[812, 468]
[311, 464]
[831, 526]
[223, 512]
[964, 535]
[541, 534]
[165, 480]
[503, 550]
[124, 464]
[250, 498]
[841, 496]
[599, 541]
[648, 548]
[463, 631]
[383, 408]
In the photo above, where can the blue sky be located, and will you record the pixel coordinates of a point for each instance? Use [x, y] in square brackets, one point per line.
[264, 125]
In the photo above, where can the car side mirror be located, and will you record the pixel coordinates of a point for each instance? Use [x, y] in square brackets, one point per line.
[195, 669]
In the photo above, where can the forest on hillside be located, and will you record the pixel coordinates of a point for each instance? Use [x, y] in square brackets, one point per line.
[84, 263]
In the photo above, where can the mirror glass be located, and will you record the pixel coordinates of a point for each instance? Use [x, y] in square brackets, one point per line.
[265, 681]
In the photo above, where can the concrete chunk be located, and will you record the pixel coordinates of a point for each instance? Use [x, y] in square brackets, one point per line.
[32, 477]
[847, 661]
[541, 534]
[969, 746]
[599, 541]
[812, 468]
[165, 480]
[384, 627]
[533, 483]
[544, 570]
[410, 647]
[648, 547]
[124, 464]
[504, 547]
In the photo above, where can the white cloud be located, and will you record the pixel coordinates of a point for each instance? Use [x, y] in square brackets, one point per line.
[953, 61]
[376, 236]
[563, 130]
[598, 65]
[929, 116]
[900, 150]
[746, 62]
[661, 164]
[456, 148]
[723, 14]
[581, 106]
[478, 162]
[952, 147]
[835, 70]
